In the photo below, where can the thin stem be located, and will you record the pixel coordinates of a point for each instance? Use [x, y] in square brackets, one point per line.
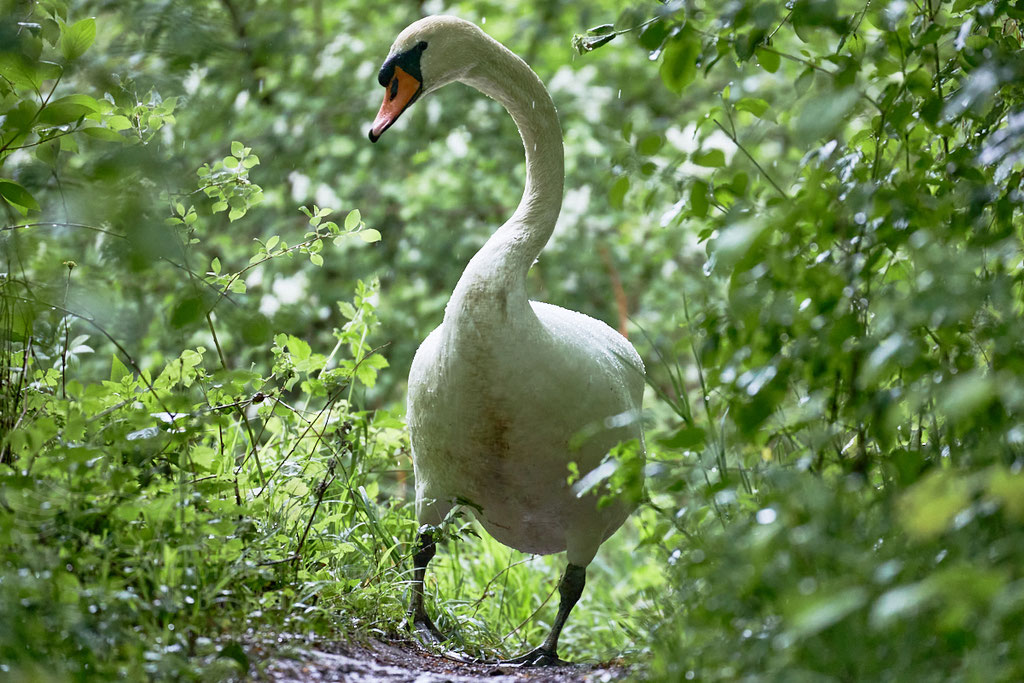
[67, 335]
[110, 338]
[503, 572]
[55, 224]
[781, 24]
[264, 259]
[216, 341]
[43, 101]
[782, 193]
[321, 490]
[527, 619]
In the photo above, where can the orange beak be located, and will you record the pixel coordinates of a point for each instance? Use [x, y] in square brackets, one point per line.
[402, 91]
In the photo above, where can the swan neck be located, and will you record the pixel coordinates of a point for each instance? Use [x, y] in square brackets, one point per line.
[510, 252]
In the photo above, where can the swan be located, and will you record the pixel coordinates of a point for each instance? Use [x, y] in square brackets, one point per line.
[507, 392]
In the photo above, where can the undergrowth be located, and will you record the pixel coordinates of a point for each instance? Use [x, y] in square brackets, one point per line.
[190, 485]
[165, 522]
[185, 491]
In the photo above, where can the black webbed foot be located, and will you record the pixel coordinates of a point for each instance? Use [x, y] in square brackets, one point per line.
[424, 629]
[540, 656]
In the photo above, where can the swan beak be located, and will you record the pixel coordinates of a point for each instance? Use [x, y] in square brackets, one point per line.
[401, 92]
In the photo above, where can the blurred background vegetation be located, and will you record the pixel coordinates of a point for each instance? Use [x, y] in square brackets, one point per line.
[807, 217]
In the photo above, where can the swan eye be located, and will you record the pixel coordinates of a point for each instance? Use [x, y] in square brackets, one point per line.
[394, 89]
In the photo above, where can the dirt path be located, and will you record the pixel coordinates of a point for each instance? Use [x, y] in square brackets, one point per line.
[400, 662]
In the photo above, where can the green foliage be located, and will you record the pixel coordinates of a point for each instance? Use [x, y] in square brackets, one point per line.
[34, 119]
[812, 211]
[854, 343]
[154, 508]
[187, 469]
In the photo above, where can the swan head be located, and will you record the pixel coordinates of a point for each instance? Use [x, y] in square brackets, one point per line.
[427, 55]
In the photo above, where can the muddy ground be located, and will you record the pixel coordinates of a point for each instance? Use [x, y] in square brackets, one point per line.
[394, 662]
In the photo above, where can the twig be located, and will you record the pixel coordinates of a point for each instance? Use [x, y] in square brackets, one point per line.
[110, 338]
[56, 224]
[321, 490]
[529, 618]
[271, 563]
[42, 105]
[781, 24]
[199, 279]
[311, 424]
[743, 149]
[480, 600]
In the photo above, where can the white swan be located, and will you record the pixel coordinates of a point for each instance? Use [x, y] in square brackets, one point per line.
[507, 392]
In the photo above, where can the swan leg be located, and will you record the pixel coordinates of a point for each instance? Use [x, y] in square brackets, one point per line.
[570, 588]
[418, 617]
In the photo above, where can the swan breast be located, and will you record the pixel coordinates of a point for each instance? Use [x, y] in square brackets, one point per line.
[496, 416]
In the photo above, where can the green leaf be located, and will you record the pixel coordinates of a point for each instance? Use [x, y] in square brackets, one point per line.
[47, 152]
[26, 73]
[117, 369]
[272, 242]
[18, 197]
[118, 122]
[68, 109]
[237, 148]
[77, 38]
[299, 348]
[347, 309]
[824, 114]
[900, 601]
[366, 371]
[352, 220]
[754, 105]
[650, 144]
[965, 395]
[654, 35]
[768, 60]
[187, 311]
[235, 652]
[316, 259]
[711, 158]
[735, 240]
[102, 133]
[919, 82]
[679, 61]
[370, 235]
[1008, 488]
[699, 203]
[617, 193]
[826, 611]
[929, 506]
[230, 162]
[687, 437]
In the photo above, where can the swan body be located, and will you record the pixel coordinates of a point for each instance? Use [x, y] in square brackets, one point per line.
[507, 392]
[495, 411]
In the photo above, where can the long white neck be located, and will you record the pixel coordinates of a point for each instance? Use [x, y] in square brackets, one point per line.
[499, 268]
